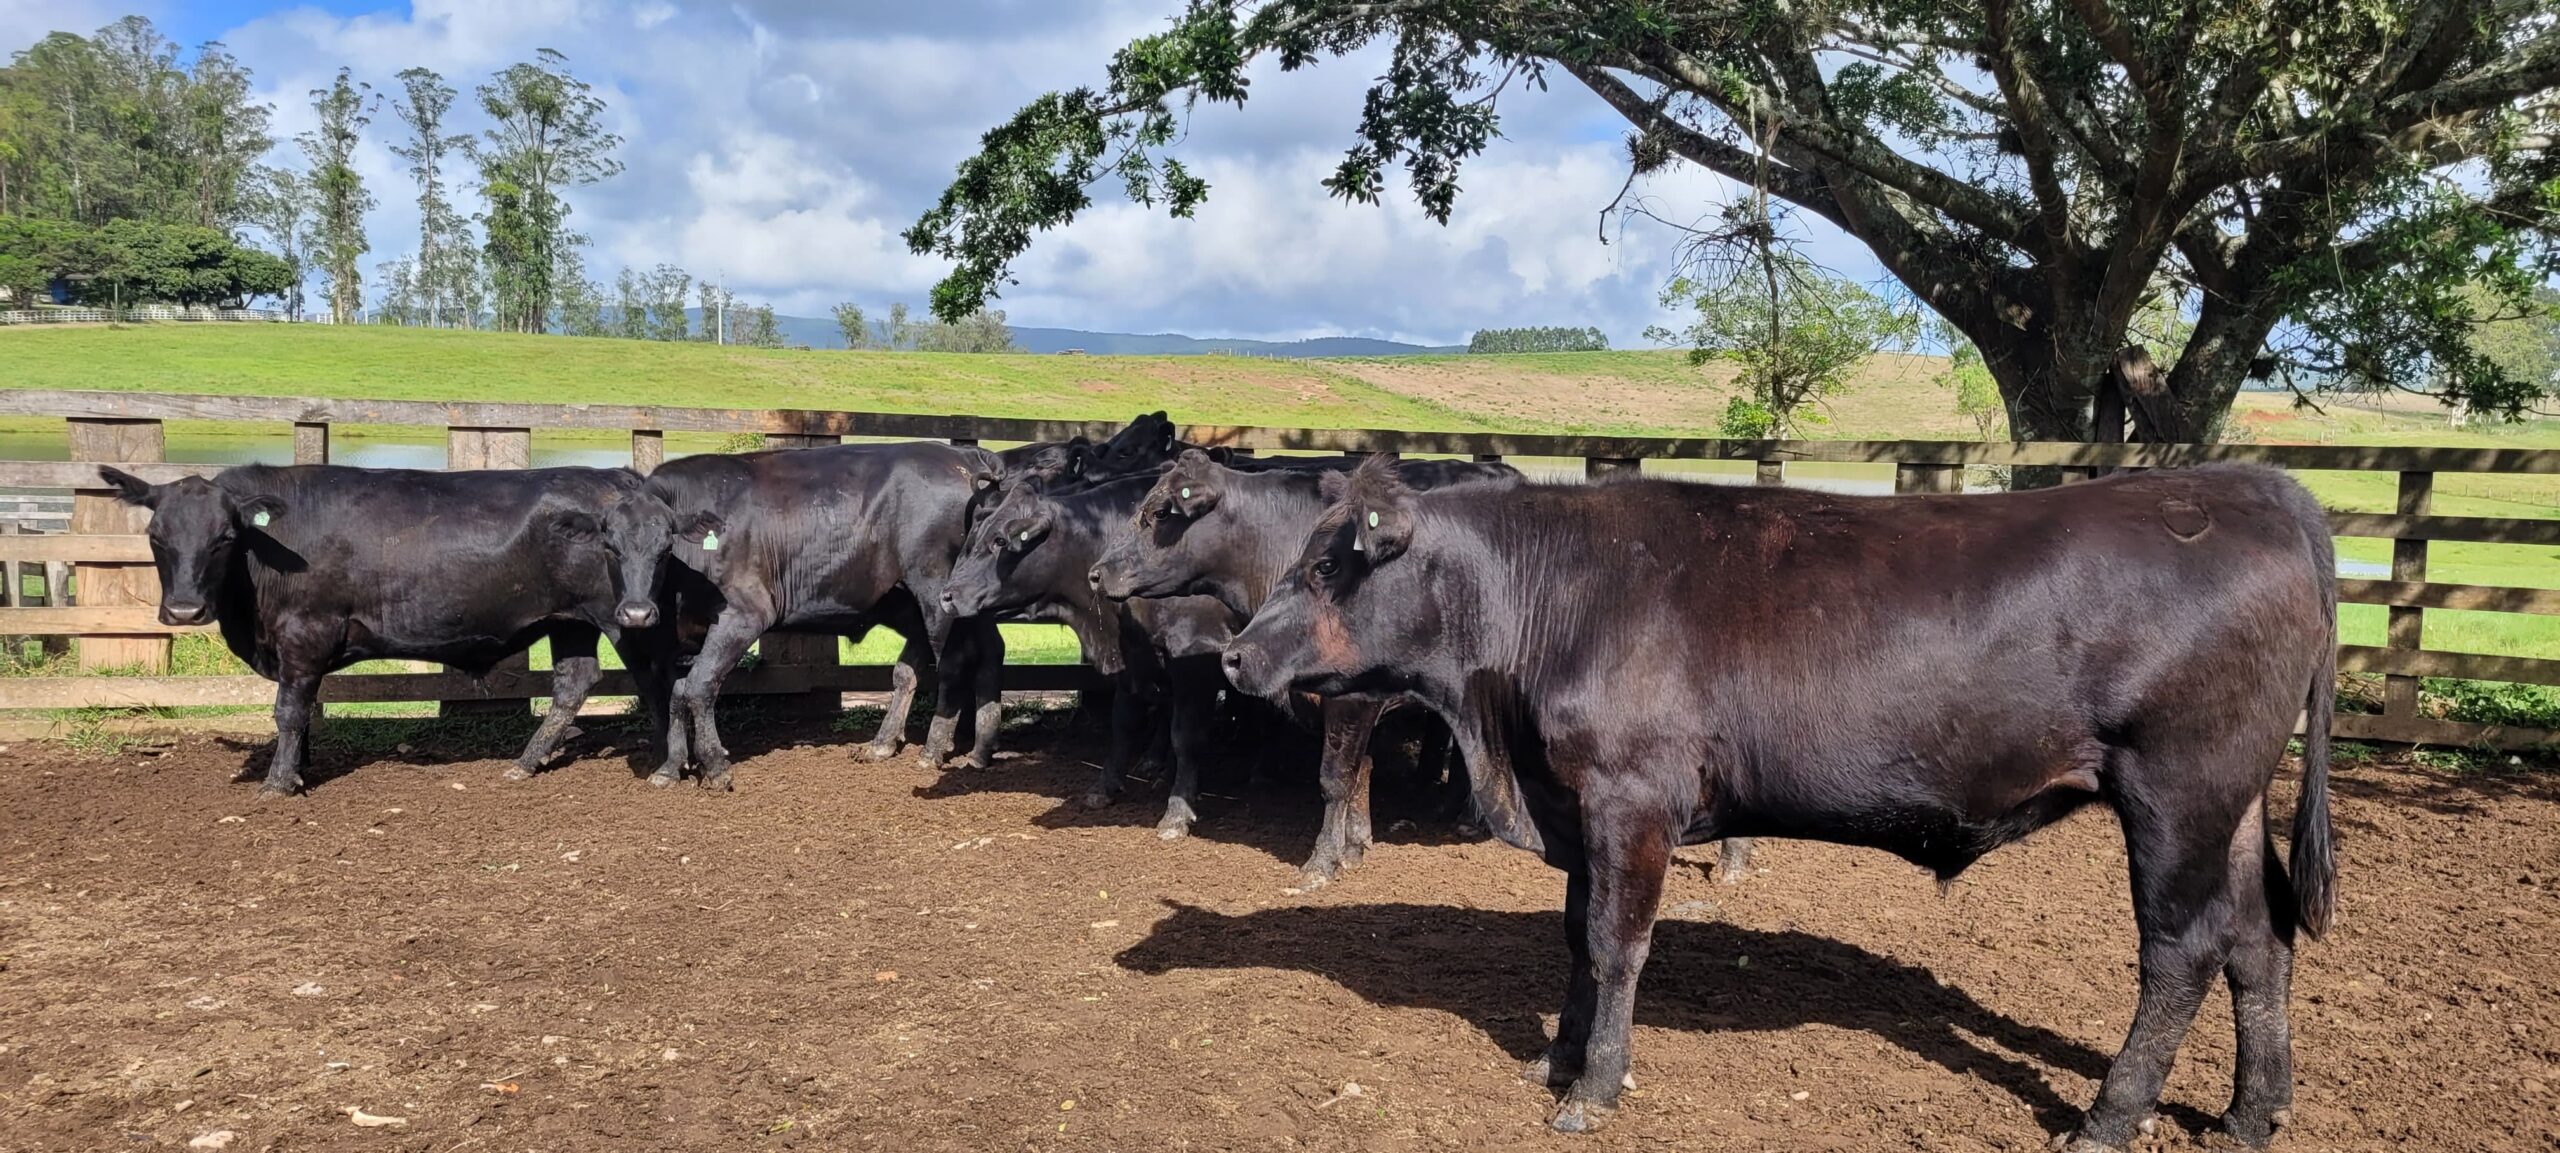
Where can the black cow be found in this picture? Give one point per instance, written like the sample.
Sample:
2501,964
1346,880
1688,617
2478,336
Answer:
311,568
831,540
1209,530
1029,556
1647,663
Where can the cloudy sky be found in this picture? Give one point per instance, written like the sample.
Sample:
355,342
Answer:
784,144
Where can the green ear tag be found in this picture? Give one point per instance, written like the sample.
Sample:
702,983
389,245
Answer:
1373,520
260,518
711,542
1186,494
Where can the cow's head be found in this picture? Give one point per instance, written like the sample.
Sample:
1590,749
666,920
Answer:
635,532
1147,442
1178,535
1013,561
1358,612
197,527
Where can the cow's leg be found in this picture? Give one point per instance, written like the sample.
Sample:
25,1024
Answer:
902,699
1629,847
1733,859
987,688
1128,722
649,666
2260,971
2178,837
1194,705
955,681
1344,776
296,695
697,696
1562,1063
574,671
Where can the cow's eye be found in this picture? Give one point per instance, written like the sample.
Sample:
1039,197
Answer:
1326,566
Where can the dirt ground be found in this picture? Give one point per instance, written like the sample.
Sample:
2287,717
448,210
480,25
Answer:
847,956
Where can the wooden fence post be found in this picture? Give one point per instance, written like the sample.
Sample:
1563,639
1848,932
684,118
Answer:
648,450
1595,467
783,650
95,510
1770,472
478,448
2408,624
310,442
1928,477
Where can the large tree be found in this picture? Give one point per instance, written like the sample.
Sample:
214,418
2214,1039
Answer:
278,202
549,136
446,269
2038,171
339,199
117,126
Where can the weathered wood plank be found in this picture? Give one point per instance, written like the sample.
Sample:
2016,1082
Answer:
2407,625
78,474
126,620
2485,529
310,442
42,402
123,548
173,692
2435,663
648,450
2422,594
2448,734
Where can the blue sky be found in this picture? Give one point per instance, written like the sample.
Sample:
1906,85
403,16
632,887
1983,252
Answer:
784,144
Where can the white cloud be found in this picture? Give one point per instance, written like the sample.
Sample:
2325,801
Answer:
786,144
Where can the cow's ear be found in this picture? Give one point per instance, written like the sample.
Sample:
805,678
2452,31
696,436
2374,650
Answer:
1020,535
1331,484
129,488
703,524
575,527
984,477
1195,492
1382,531
259,511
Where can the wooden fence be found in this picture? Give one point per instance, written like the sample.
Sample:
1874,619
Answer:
116,623
138,313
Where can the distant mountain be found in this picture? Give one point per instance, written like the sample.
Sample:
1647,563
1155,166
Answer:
822,333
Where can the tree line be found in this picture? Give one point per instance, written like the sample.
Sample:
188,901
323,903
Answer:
1491,340
980,331
131,170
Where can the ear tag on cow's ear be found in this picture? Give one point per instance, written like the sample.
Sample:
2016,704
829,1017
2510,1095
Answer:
1026,535
1186,494
260,518
1373,520
1356,546
711,542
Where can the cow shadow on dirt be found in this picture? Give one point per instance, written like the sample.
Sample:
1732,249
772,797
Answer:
345,746
1501,970
1257,798
2481,787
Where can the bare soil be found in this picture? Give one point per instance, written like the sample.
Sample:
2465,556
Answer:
849,956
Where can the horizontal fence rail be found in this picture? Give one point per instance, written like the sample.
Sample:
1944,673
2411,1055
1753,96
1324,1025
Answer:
112,610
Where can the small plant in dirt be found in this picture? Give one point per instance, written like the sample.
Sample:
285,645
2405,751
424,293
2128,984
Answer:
2491,702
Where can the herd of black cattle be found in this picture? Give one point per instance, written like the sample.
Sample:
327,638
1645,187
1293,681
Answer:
1623,667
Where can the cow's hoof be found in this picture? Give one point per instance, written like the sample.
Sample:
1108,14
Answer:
516,773
273,790
2075,1143
1543,1071
719,781
1579,1116
876,751
1173,828
1096,799
1468,830
663,777
2255,1130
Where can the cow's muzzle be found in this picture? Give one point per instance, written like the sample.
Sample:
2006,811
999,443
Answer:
635,614
185,612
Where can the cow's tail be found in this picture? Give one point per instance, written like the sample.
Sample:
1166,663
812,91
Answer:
2315,860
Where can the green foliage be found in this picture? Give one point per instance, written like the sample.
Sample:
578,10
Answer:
1796,333
339,200
977,332
134,262
760,330
1746,418
1977,396
667,286
549,135
278,202
856,330
1492,340
2058,181
445,277
2493,702
116,126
